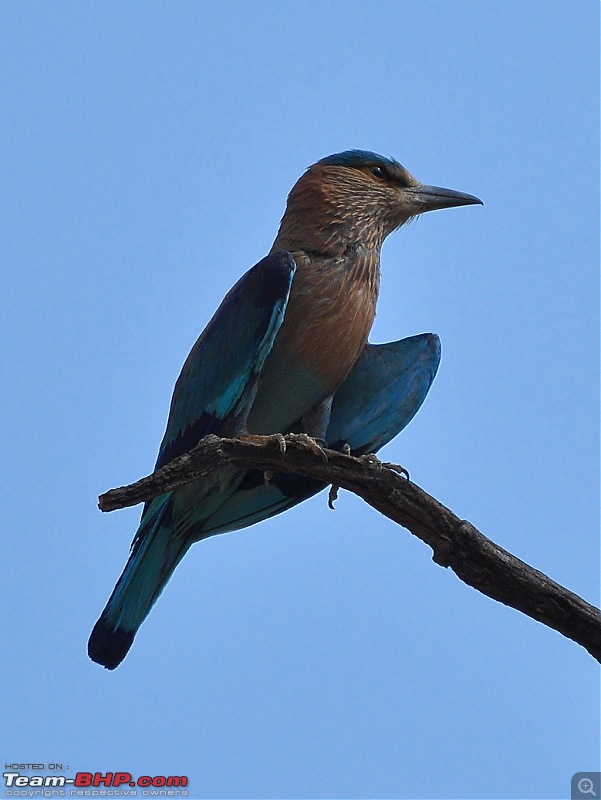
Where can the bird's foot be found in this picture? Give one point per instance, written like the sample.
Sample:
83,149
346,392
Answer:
279,438
372,458
314,445
260,439
276,437
396,468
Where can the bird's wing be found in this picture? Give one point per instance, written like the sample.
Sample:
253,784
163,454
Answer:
380,396
383,392
218,381
216,388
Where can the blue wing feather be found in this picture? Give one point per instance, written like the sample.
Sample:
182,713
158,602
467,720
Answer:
216,387
383,392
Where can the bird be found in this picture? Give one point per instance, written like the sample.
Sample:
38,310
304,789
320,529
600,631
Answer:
286,351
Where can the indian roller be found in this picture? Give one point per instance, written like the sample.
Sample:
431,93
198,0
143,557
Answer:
286,351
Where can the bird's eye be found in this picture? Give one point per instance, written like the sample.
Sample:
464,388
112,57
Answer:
378,171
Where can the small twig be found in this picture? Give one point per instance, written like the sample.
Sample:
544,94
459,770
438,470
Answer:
455,543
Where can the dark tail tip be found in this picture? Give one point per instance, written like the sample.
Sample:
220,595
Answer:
109,646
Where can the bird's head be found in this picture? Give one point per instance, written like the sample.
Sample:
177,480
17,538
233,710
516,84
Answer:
355,199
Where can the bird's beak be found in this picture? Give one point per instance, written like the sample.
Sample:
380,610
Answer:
423,198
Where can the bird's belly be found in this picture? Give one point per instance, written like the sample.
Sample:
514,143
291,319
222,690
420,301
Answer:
285,393
313,353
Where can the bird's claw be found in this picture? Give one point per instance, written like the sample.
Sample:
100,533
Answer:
279,438
333,496
372,458
311,443
396,468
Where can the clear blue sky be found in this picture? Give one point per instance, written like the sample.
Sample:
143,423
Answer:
147,150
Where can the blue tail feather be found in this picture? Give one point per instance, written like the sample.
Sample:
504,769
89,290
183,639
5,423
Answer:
155,554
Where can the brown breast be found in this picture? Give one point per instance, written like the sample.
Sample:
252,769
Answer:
330,314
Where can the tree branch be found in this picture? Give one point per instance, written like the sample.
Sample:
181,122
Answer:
455,543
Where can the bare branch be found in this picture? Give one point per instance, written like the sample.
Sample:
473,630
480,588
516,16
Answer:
455,543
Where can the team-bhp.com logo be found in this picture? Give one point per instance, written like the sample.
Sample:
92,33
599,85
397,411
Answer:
94,784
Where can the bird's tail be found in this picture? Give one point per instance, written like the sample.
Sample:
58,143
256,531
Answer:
155,554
